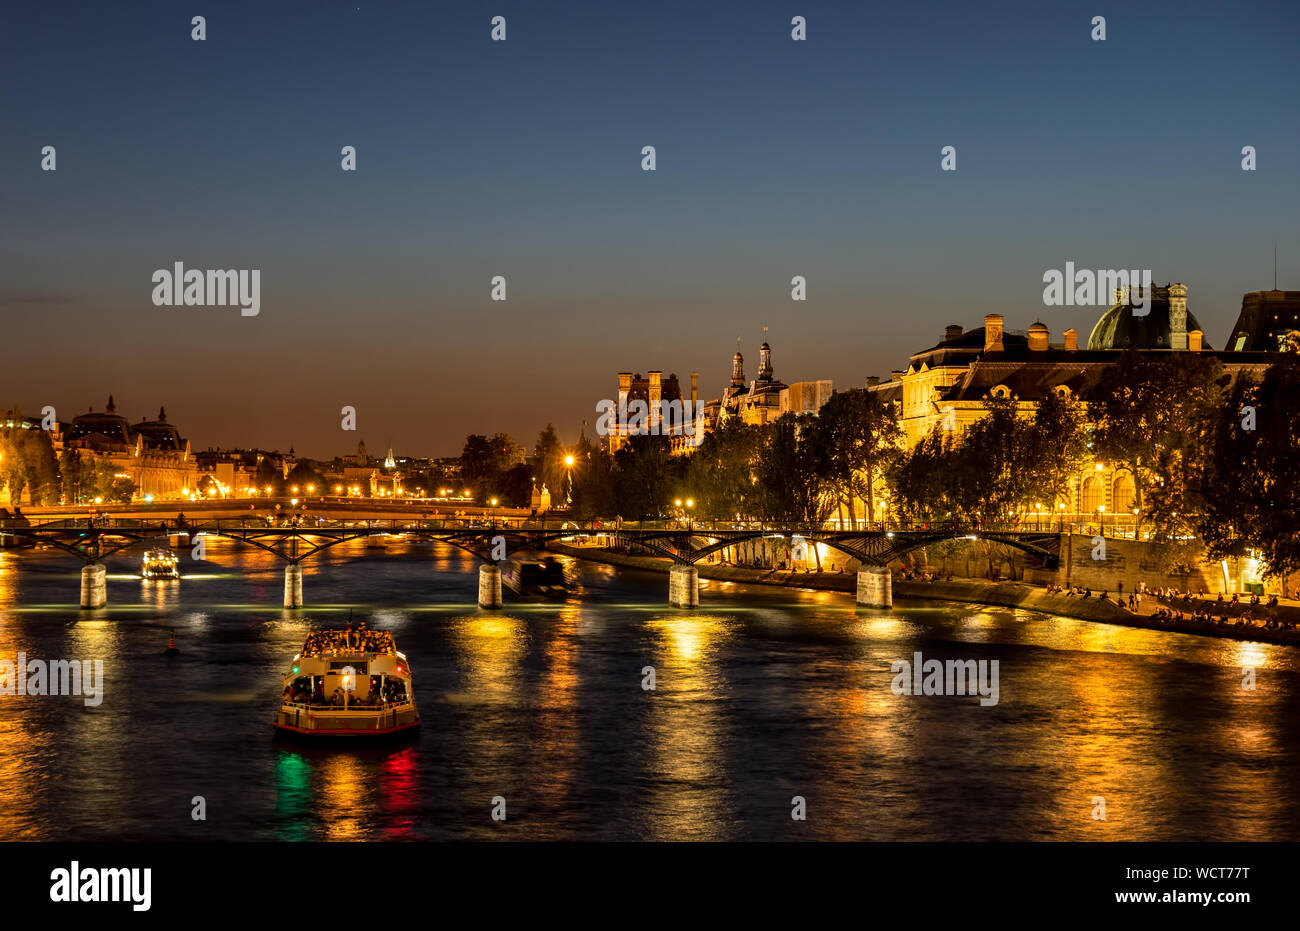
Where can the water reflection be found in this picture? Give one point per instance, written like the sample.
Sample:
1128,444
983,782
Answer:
761,695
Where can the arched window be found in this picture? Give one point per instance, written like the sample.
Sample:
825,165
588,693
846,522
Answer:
1090,496
1124,492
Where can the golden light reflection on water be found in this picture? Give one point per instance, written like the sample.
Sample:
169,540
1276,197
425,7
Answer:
346,796
688,769
557,704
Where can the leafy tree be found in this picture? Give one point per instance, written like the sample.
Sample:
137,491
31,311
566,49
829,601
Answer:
548,463
593,482
270,475
790,487
304,474
484,462
856,437
73,471
1057,448
1248,486
648,477
1150,413
722,473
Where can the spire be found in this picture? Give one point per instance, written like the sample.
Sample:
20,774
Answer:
737,367
765,359
112,408
162,414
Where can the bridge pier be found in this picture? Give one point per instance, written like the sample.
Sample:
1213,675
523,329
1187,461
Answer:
489,586
94,585
293,586
684,587
875,587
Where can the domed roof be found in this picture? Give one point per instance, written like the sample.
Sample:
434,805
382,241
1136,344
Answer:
109,424
1122,328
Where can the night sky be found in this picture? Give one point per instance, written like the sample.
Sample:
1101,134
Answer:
522,158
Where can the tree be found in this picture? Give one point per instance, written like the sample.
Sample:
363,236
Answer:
302,475
1057,448
1150,413
28,462
593,482
73,471
548,462
790,487
484,462
1248,486
647,477
856,437
269,475
722,473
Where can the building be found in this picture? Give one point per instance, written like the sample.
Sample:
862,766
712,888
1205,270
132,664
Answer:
945,385
1269,322
654,405
806,397
757,403
150,453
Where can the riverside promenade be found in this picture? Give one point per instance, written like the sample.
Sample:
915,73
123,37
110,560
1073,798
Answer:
978,591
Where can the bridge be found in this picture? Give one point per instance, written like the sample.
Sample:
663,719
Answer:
295,538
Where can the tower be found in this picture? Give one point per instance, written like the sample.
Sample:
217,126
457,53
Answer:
765,361
737,368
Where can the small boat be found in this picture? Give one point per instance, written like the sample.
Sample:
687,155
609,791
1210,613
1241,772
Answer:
160,564
534,576
348,685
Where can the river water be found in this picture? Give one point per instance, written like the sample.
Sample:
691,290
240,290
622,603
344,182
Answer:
761,695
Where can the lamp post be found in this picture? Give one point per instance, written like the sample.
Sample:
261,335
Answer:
568,480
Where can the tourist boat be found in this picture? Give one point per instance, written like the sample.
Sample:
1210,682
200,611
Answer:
534,576
160,564
348,685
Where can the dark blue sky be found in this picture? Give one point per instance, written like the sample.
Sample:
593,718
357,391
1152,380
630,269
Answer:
522,159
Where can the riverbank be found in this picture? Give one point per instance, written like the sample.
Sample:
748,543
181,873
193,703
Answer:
971,591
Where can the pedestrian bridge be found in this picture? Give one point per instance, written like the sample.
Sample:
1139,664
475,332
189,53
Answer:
296,538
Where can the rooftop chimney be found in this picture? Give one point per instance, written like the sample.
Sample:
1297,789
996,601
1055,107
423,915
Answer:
1195,341
1038,337
656,396
993,333
873,380
1177,316
950,332
1071,340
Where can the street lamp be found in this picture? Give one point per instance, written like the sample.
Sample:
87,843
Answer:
568,480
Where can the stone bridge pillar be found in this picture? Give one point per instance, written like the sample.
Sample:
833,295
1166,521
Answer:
94,586
684,587
875,587
293,586
489,586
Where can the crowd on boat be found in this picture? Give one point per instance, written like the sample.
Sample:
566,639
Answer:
349,639
391,692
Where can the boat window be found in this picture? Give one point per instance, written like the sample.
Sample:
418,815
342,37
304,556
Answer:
359,668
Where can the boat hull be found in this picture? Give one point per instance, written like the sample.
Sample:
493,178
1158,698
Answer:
347,736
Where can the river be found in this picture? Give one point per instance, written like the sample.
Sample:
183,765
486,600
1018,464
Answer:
762,695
